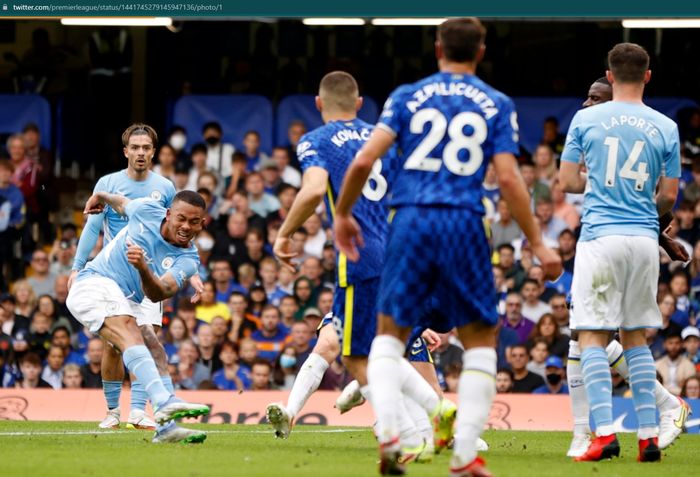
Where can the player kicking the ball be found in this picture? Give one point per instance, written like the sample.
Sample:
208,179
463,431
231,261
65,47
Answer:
152,256
629,150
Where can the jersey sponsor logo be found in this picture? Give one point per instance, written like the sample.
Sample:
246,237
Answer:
167,263
303,150
156,195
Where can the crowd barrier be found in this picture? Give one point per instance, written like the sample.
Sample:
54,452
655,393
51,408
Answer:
509,411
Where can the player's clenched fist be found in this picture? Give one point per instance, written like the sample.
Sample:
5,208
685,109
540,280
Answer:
550,262
136,256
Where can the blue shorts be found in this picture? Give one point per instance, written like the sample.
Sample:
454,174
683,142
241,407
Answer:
417,349
437,253
355,316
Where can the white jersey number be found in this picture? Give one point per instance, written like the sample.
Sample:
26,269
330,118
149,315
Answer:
419,159
376,184
640,176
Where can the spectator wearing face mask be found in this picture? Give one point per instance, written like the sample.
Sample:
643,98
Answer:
178,141
554,378
218,153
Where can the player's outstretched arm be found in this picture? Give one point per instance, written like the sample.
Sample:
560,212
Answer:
347,232
314,186
97,202
571,178
514,191
156,289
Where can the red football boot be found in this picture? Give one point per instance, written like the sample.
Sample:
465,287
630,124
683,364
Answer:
604,447
476,468
649,450
390,459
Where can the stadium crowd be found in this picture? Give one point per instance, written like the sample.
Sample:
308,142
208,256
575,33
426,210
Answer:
255,323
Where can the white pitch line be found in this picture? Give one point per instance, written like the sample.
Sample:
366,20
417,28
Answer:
97,433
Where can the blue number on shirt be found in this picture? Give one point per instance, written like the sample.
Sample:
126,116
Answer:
419,160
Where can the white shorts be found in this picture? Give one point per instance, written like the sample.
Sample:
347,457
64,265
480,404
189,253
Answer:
150,313
615,284
95,298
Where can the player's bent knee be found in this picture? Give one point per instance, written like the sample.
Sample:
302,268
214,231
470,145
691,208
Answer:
122,332
477,335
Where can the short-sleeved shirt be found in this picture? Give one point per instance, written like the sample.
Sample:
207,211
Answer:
447,128
143,229
626,147
222,382
332,147
155,187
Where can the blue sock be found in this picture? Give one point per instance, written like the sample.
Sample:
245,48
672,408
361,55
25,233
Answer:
112,391
168,383
140,362
643,382
598,381
139,396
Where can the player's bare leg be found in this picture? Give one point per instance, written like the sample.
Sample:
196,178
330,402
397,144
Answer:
477,388
112,372
306,383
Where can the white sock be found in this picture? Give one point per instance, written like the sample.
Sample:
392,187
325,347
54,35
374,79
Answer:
477,388
410,437
306,382
384,378
420,418
414,386
616,358
665,401
577,390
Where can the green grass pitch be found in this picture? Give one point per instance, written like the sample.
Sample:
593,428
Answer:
72,449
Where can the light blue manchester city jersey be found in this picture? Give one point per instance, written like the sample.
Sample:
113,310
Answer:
626,147
145,217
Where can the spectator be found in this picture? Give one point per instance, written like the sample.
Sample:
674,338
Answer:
30,367
301,336
189,370
546,328
688,225
560,313
286,195
271,177
551,135
91,371
255,158
533,308
524,381
490,186
504,230
667,307
72,377
257,299
514,319
567,249
236,181
220,329
536,189
10,321
217,152
24,175
165,165
316,236
177,139
39,336
538,356
312,269
254,245
61,257
208,352
9,373
691,342
452,374
285,368
288,309
43,159
260,375
328,262
240,202
303,290
242,323
186,311
199,166
679,288
504,381
295,131
209,307
285,280
53,371
13,210
691,388
271,337
563,210
232,242
248,353
551,225
181,177
290,175
674,368
222,276
513,272
692,190
60,336
260,201
25,297
555,382
41,280
175,334
231,376
269,269
325,301
298,241
545,165
313,317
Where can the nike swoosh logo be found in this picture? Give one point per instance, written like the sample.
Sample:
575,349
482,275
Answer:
416,351
682,418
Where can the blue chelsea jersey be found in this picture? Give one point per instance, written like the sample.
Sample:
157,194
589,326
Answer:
155,187
145,217
447,127
626,147
333,147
